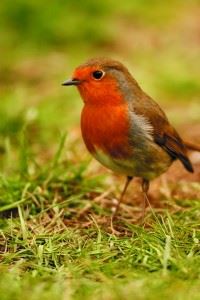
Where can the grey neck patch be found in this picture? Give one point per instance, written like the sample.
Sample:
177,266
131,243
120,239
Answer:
125,83
140,126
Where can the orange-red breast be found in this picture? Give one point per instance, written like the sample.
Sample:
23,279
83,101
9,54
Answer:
123,128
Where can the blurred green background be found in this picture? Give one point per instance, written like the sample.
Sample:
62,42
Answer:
41,42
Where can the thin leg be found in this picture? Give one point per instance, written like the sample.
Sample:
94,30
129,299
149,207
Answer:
128,180
145,188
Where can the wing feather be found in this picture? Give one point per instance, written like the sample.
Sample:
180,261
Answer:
163,132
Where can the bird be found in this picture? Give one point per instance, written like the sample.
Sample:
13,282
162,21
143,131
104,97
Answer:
124,128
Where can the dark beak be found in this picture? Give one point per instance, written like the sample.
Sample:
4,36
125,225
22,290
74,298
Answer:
71,82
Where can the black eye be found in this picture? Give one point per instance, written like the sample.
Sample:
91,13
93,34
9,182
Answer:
98,74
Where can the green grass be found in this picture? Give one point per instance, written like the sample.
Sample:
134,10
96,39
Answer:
55,202
44,257
55,241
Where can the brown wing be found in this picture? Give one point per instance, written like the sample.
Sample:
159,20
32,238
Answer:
164,134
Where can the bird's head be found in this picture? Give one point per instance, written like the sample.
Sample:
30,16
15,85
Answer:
102,80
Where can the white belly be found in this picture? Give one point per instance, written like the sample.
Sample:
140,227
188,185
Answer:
146,164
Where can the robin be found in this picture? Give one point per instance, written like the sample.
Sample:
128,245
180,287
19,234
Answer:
124,128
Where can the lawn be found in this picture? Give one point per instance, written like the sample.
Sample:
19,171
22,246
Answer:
56,201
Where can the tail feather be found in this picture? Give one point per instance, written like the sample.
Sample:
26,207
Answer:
192,146
186,162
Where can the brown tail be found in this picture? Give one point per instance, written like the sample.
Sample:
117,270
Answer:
191,146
